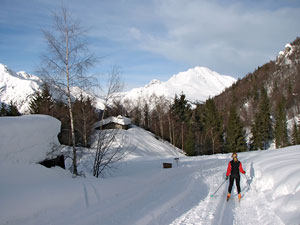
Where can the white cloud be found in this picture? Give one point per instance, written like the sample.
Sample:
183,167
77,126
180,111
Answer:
229,38
135,33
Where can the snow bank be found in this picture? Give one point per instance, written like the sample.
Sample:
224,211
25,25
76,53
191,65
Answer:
28,138
276,174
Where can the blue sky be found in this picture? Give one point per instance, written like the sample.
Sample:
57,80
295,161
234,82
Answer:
154,39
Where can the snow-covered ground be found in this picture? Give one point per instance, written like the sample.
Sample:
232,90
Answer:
142,192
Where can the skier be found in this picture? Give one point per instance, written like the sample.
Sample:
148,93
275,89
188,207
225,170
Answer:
234,169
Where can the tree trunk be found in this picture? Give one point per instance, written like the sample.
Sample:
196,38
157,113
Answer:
70,105
213,140
73,137
170,128
85,131
182,141
173,129
161,127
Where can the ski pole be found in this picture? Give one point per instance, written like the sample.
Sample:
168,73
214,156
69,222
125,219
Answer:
247,180
218,189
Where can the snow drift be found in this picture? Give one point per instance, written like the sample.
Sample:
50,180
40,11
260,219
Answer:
27,139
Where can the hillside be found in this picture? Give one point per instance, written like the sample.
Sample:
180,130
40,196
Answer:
141,192
281,79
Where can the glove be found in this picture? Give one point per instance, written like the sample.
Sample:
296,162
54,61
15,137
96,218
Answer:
226,177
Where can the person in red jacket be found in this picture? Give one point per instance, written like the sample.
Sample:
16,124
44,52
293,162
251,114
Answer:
234,168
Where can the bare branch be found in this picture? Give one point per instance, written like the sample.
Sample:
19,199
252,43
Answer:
66,61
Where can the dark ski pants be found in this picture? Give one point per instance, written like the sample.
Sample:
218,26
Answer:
237,182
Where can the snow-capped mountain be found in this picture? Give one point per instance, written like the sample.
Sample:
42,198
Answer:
198,84
19,88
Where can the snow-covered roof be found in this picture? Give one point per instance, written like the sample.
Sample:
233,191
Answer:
118,120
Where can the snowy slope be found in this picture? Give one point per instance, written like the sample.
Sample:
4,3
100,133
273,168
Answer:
142,192
143,144
198,84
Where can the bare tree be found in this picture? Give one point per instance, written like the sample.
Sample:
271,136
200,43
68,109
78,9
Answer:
114,85
66,61
109,149
84,118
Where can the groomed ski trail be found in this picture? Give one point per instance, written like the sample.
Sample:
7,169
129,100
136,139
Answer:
212,210
252,209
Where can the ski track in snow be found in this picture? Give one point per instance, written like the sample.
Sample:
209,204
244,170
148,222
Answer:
217,211
188,183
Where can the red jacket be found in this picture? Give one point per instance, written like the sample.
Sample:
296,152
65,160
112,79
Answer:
229,168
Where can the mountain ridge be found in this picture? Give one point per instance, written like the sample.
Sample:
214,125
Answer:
198,84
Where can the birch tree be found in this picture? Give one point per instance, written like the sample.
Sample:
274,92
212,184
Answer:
66,61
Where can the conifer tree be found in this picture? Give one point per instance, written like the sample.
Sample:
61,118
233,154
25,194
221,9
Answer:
213,126
235,135
181,107
257,142
84,119
280,132
189,144
146,116
180,110
262,130
3,111
13,110
296,134
42,103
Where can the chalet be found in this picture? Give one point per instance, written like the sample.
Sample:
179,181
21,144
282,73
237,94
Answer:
119,122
